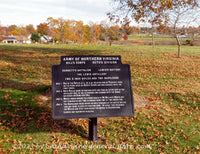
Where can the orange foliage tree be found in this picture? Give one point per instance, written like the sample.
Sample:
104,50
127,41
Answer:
30,29
52,31
95,32
14,32
42,29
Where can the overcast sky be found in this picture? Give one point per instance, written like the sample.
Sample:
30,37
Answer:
24,12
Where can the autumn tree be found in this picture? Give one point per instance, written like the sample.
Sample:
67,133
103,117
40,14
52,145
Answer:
53,31
95,31
156,12
73,30
14,32
65,30
23,31
163,30
127,29
114,33
80,33
30,29
87,34
10,29
61,25
2,32
104,31
110,32
182,12
140,11
42,29
59,29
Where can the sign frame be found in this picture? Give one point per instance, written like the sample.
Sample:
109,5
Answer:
69,63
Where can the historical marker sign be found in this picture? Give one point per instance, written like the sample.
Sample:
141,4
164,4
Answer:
91,86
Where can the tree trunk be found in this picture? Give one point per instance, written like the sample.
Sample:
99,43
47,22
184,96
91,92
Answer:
73,38
179,46
177,39
62,37
110,43
153,41
179,51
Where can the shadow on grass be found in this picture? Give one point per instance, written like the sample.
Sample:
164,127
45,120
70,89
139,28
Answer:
40,57
20,85
22,112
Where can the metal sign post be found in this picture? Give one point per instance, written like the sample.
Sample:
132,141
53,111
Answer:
93,130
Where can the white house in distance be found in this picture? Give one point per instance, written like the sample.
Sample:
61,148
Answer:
10,39
45,39
23,39
17,39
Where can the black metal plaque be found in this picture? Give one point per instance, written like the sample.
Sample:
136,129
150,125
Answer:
91,86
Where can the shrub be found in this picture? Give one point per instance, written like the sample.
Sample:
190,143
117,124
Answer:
125,37
188,42
35,37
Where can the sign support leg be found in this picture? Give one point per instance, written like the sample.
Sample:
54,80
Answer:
93,130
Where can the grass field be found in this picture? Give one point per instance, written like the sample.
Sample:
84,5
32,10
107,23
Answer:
170,123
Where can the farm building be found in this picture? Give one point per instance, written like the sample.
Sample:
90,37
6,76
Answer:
16,39
10,39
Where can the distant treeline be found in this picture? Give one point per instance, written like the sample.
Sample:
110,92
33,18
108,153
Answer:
62,31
